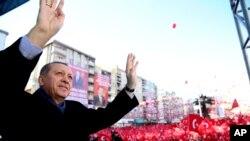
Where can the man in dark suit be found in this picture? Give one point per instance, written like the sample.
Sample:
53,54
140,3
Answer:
78,81
99,98
46,115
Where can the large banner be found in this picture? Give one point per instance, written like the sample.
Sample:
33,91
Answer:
101,89
79,90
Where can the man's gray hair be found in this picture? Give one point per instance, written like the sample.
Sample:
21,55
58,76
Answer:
46,68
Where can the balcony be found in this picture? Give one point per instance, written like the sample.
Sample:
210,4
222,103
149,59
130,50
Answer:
91,79
91,71
57,50
91,63
91,88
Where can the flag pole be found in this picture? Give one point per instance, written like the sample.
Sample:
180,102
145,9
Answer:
200,106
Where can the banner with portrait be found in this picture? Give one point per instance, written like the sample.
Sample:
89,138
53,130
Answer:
79,90
101,89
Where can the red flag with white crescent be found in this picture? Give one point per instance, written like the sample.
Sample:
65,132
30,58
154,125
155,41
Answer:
194,121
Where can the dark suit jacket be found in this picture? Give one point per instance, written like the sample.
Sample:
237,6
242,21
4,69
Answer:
26,117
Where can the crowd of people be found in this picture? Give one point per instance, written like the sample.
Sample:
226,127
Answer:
208,130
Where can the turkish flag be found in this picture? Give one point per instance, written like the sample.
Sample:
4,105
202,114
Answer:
206,128
104,137
235,104
194,121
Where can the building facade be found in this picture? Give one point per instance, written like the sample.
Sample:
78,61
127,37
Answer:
3,35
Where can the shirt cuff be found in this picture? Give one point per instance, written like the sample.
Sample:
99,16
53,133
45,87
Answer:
27,49
131,95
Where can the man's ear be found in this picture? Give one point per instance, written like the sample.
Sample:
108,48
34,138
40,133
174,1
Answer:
41,80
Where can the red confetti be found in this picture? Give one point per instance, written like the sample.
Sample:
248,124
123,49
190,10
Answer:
174,25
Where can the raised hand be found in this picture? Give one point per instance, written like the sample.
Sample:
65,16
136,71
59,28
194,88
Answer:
131,67
50,18
49,21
